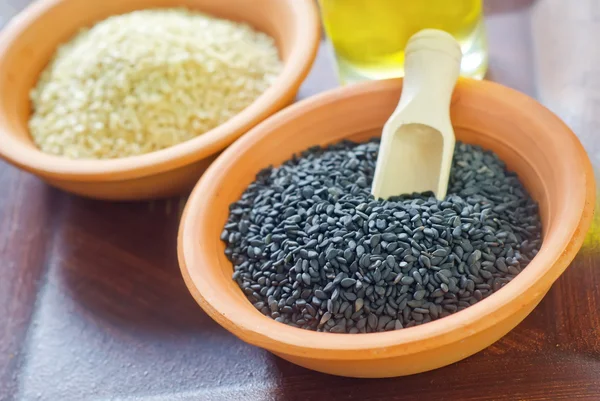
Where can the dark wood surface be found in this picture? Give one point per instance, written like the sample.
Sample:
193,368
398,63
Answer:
93,307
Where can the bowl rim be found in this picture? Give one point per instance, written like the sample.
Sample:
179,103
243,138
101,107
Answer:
262,331
295,69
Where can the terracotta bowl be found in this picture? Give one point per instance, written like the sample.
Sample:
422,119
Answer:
534,142
30,40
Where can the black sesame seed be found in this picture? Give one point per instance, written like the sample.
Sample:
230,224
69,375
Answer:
311,247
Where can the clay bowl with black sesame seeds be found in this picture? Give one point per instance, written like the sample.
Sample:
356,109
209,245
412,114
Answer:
548,158
29,41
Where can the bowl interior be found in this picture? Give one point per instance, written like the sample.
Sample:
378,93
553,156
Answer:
533,142
30,41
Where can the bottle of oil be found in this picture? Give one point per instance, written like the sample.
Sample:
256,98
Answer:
369,36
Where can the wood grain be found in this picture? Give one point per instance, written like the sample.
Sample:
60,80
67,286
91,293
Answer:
92,305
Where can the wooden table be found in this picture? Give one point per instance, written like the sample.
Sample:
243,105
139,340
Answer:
93,307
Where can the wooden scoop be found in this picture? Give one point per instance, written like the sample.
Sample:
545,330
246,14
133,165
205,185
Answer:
417,143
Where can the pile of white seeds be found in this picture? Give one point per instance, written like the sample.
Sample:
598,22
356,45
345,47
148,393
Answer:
147,80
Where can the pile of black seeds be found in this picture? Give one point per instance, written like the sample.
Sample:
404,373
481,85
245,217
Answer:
313,249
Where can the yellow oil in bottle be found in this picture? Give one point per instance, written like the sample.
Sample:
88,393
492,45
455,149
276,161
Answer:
369,36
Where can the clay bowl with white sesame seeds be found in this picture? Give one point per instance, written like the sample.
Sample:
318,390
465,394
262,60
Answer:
29,41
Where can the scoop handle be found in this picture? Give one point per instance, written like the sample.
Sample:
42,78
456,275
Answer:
431,67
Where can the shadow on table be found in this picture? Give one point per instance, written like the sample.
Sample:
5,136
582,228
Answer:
462,381
299,384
